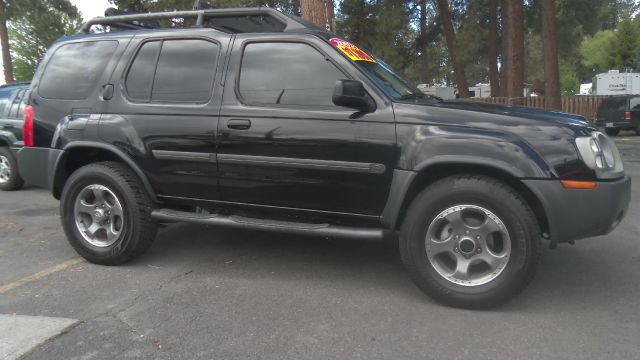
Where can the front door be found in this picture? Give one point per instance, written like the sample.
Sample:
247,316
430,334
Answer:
283,143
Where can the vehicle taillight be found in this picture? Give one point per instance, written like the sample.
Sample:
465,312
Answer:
627,115
27,130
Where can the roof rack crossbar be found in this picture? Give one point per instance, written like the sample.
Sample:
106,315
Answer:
120,20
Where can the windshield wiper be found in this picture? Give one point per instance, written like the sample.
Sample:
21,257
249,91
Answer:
420,96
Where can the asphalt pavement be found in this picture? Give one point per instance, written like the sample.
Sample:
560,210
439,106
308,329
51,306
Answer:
207,293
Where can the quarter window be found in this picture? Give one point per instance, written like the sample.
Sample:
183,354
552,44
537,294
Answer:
173,71
75,68
15,111
287,74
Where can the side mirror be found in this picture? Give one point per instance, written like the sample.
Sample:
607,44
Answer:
351,94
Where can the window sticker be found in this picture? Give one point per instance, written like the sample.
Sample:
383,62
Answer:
353,52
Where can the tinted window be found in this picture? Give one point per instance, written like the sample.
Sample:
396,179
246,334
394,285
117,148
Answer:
634,103
140,78
287,73
23,103
14,110
183,72
4,99
74,69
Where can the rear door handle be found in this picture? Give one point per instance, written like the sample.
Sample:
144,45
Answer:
239,124
8,126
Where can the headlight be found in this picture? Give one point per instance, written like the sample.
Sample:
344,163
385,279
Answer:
600,154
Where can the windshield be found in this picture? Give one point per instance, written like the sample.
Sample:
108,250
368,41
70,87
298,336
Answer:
389,80
392,83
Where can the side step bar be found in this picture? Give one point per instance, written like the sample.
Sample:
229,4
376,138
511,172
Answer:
234,221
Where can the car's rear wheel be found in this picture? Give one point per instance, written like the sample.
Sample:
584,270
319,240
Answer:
612,131
470,241
9,176
106,214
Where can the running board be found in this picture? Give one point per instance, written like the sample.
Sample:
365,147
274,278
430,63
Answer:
234,221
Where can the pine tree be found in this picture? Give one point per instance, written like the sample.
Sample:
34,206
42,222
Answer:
550,44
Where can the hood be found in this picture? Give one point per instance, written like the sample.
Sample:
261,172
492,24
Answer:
551,134
515,119
532,113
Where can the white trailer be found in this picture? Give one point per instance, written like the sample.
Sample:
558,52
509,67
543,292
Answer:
480,91
616,83
444,92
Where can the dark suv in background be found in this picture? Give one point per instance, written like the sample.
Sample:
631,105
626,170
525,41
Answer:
12,102
619,113
252,119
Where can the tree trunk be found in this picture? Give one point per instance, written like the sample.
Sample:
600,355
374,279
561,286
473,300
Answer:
449,33
4,42
515,70
319,12
423,45
504,53
494,76
550,45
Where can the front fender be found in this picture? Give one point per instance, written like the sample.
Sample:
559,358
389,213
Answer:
423,146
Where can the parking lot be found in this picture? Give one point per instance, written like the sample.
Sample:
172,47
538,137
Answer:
226,294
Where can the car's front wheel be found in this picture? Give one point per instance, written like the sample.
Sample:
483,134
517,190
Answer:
9,177
106,214
470,241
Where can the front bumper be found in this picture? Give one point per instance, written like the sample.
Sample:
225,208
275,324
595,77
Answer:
37,165
575,214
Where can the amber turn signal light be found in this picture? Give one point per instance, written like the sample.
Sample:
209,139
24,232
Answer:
571,184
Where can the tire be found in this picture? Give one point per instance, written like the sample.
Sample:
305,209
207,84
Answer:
637,130
9,176
122,219
612,131
510,241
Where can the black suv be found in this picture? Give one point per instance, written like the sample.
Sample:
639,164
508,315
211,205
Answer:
12,103
619,113
253,119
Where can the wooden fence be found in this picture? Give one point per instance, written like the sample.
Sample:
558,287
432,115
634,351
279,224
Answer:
586,106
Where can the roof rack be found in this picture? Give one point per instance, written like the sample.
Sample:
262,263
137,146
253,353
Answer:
127,21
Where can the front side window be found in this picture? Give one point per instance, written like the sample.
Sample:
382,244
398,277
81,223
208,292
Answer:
173,71
287,74
75,68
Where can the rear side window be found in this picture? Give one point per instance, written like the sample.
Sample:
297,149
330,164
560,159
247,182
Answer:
15,110
74,69
634,103
173,71
287,74
4,99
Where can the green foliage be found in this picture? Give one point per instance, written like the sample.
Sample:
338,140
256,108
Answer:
34,25
569,81
596,52
625,45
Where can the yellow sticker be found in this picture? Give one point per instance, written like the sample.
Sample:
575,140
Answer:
352,51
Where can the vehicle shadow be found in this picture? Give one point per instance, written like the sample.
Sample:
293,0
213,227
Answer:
567,276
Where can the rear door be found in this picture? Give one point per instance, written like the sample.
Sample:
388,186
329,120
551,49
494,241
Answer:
165,107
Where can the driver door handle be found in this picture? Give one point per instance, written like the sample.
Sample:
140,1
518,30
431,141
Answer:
239,124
